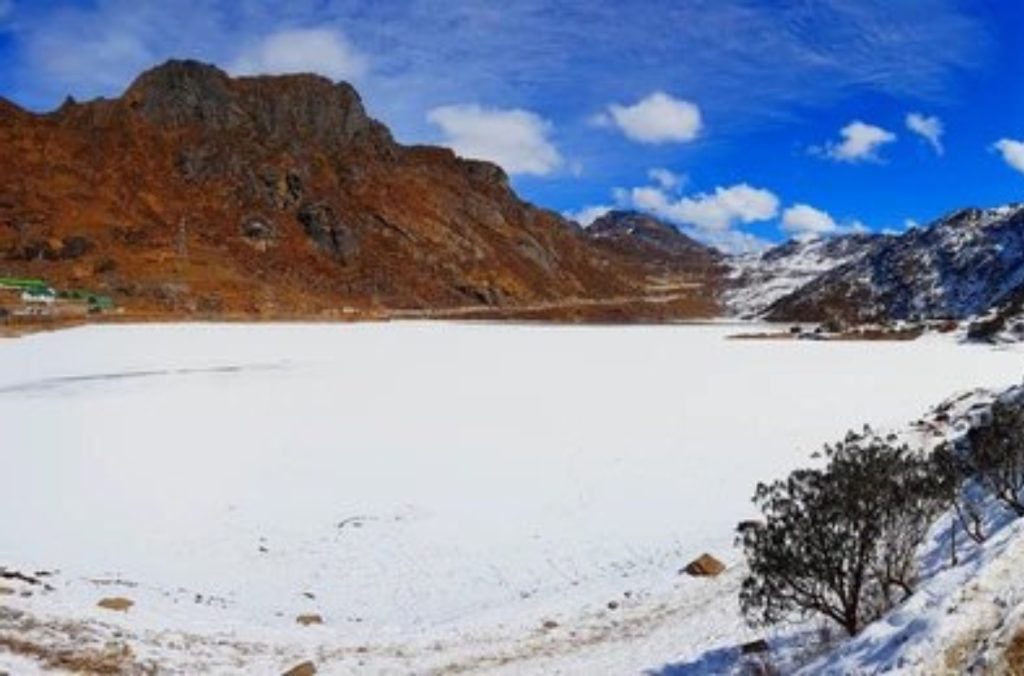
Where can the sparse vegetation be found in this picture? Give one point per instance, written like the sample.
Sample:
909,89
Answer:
842,541
992,453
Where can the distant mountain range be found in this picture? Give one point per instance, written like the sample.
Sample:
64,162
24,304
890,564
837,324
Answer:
961,266
198,194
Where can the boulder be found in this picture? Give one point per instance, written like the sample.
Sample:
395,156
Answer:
306,668
307,620
704,565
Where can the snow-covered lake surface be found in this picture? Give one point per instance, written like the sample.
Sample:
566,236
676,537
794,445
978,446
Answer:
440,489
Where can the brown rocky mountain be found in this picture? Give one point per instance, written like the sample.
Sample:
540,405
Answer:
645,238
197,193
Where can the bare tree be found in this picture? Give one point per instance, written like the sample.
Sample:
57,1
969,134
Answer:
950,470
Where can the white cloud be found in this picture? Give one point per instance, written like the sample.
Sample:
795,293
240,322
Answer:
587,215
733,241
304,50
1012,152
710,212
667,179
910,224
659,118
930,128
515,139
803,220
860,143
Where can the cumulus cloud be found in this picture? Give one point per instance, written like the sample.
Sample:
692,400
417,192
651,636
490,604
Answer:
302,50
657,119
930,128
667,179
860,142
711,212
517,140
734,241
588,214
717,217
803,220
1012,152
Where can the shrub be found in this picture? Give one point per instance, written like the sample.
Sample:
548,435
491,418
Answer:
840,541
986,329
995,454
950,469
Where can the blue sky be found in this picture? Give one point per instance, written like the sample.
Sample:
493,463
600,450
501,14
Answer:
725,116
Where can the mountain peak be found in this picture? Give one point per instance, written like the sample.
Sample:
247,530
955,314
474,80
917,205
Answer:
634,222
648,238
181,93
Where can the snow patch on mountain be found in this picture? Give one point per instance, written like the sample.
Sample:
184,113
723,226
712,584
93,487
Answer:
756,281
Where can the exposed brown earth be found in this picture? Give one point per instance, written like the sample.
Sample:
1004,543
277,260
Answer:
198,195
66,646
116,603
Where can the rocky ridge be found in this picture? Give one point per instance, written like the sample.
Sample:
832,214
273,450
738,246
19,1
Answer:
195,193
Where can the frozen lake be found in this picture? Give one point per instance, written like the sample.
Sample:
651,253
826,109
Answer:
417,480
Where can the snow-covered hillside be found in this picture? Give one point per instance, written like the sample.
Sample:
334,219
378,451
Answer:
755,281
440,496
966,616
959,266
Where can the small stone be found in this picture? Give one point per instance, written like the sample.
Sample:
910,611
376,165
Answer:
550,624
117,603
704,565
307,668
307,620
612,605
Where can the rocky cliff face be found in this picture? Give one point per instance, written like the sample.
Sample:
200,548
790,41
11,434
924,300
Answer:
198,192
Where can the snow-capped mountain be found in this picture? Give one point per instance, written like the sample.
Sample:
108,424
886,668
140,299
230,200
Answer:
958,267
755,281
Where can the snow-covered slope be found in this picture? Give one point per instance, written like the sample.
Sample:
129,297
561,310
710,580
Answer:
447,498
965,617
957,267
755,281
